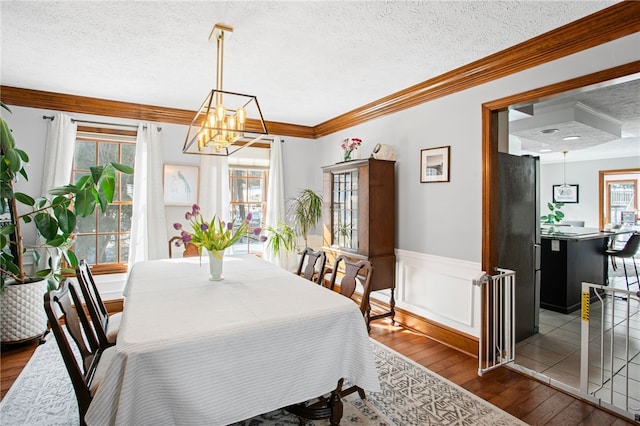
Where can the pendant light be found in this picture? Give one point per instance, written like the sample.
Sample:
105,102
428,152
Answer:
227,121
564,166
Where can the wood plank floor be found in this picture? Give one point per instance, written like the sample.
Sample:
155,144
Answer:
525,398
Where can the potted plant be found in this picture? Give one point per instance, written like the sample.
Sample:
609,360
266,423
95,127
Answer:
306,212
55,220
214,236
280,237
554,215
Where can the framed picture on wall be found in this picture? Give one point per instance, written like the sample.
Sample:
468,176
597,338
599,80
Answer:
434,164
180,183
565,193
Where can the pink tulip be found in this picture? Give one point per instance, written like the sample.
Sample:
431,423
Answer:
257,231
188,215
249,216
177,226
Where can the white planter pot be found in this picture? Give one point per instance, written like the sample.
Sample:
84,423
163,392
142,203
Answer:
22,315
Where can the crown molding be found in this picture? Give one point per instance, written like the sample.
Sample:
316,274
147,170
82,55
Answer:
109,108
614,22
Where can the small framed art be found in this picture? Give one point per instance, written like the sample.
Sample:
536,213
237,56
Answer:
565,193
180,184
434,164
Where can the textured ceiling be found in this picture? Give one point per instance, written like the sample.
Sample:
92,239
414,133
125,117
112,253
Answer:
307,62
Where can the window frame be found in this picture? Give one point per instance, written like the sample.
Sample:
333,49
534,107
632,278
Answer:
264,203
121,137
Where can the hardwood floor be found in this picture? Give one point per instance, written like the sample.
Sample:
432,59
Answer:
523,397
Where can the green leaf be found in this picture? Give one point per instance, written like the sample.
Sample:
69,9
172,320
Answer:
23,155
107,187
64,190
57,241
96,173
6,137
123,168
24,198
71,258
43,272
40,203
13,160
66,221
47,225
84,181
85,202
6,230
12,267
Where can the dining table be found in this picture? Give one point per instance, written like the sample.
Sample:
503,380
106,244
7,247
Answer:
191,351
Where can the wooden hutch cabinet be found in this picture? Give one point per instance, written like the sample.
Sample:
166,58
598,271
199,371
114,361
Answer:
359,218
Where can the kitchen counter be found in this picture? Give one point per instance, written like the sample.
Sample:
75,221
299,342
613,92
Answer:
570,256
574,233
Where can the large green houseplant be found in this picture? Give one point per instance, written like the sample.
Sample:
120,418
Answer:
305,211
54,216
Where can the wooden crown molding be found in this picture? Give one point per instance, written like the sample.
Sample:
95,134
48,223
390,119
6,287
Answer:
617,21
614,22
109,108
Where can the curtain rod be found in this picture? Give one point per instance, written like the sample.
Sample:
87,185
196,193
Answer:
51,117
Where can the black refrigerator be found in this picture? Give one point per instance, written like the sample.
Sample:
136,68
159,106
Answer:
519,236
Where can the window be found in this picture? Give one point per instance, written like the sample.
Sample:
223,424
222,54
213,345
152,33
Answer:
103,239
248,189
619,196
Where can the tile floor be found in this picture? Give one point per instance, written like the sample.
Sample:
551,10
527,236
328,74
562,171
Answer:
555,350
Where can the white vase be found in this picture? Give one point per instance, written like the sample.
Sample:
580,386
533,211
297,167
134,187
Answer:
215,266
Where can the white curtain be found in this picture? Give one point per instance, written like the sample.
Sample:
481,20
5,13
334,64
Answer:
275,196
58,152
58,160
214,195
148,225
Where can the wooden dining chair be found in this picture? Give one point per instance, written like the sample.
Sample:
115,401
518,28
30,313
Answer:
88,370
106,326
190,249
330,406
352,272
313,263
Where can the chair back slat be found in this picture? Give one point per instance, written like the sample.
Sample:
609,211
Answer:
66,301
353,272
313,263
97,310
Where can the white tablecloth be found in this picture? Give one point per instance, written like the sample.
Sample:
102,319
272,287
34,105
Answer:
200,352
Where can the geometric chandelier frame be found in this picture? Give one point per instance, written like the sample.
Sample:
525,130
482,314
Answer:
226,121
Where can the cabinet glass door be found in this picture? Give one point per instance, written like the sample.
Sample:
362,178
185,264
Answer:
344,207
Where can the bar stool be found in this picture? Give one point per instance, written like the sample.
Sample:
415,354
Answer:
629,250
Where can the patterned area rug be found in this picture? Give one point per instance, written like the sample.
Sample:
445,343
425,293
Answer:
411,395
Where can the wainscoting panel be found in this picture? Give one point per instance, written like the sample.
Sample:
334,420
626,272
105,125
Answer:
439,289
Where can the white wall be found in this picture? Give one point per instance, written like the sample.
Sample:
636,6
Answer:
586,175
434,221
443,220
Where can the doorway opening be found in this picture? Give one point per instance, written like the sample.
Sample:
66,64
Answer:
549,351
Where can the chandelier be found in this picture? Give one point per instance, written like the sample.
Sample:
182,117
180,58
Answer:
227,121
